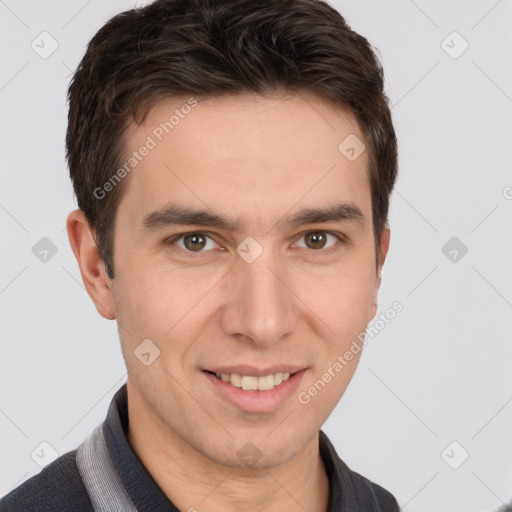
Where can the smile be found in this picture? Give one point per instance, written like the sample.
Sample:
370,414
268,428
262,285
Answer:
252,383
255,390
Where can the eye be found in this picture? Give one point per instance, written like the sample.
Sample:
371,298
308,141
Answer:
194,242
319,240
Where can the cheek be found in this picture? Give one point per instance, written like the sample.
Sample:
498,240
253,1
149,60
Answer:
344,302
159,304
345,305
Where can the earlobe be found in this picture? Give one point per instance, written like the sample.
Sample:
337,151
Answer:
92,267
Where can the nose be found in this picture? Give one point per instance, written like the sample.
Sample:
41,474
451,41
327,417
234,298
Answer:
261,306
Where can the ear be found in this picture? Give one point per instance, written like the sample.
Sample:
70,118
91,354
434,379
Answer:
381,257
92,267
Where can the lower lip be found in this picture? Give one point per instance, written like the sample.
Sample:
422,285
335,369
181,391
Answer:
257,401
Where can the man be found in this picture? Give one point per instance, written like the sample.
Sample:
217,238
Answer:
233,163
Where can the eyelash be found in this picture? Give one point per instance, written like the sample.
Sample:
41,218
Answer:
339,236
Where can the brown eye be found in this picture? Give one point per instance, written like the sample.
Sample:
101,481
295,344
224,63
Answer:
315,240
194,242
318,240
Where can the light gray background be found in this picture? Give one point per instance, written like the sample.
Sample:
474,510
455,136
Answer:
438,373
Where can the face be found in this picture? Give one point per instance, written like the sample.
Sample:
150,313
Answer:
244,251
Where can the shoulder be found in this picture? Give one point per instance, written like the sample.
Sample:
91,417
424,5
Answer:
382,498
375,497
57,487
350,490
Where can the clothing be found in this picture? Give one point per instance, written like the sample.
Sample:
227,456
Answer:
60,485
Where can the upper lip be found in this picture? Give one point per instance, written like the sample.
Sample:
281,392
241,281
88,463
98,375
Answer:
245,369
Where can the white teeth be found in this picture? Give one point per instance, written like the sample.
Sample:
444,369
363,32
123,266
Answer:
236,380
265,383
251,383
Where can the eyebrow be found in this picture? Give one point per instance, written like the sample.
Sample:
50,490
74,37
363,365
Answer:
178,215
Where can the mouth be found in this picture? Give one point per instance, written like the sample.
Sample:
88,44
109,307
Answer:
252,382
255,390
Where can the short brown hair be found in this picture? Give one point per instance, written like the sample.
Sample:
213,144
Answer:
211,48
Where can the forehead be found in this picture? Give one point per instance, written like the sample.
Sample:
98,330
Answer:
248,154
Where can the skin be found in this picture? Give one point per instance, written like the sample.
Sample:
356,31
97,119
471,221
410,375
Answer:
253,160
